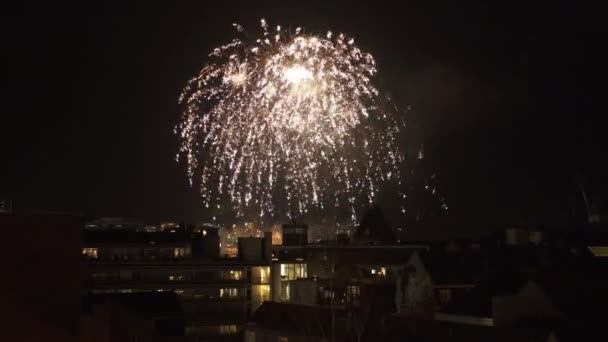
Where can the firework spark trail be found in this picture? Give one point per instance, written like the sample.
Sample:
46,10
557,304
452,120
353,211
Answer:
288,123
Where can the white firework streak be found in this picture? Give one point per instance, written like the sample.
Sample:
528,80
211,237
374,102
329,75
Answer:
288,123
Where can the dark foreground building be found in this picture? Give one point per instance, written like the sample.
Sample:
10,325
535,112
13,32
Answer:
217,294
41,291
540,284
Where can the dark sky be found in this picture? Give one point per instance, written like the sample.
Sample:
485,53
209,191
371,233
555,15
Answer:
504,101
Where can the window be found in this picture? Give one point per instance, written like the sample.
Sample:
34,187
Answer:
383,271
205,293
232,275
176,277
178,252
282,339
293,271
90,252
228,329
229,292
259,294
328,294
179,291
599,251
260,275
445,296
284,291
352,295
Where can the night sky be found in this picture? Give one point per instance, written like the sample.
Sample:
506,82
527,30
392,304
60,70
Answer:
503,97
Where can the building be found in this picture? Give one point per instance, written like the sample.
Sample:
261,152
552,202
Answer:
352,285
141,316
6,205
282,322
114,223
41,293
217,294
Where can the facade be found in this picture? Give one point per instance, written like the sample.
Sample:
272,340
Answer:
217,294
41,294
339,272
141,316
353,285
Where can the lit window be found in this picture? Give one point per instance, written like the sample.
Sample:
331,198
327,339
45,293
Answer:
259,294
179,291
282,339
178,252
204,232
353,294
445,296
293,271
90,252
599,251
232,275
373,271
263,275
229,292
176,277
228,329
383,271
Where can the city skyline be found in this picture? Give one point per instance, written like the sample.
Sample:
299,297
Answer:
94,133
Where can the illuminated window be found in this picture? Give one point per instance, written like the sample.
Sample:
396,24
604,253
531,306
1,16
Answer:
229,292
599,251
293,271
232,275
228,329
176,277
352,295
284,294
445,296
90,252
260,275
178,252
373,271
179,291
329,294
282,339
383,271
259,295
264,275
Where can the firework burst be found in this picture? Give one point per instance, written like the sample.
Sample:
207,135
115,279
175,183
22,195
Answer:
287,124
